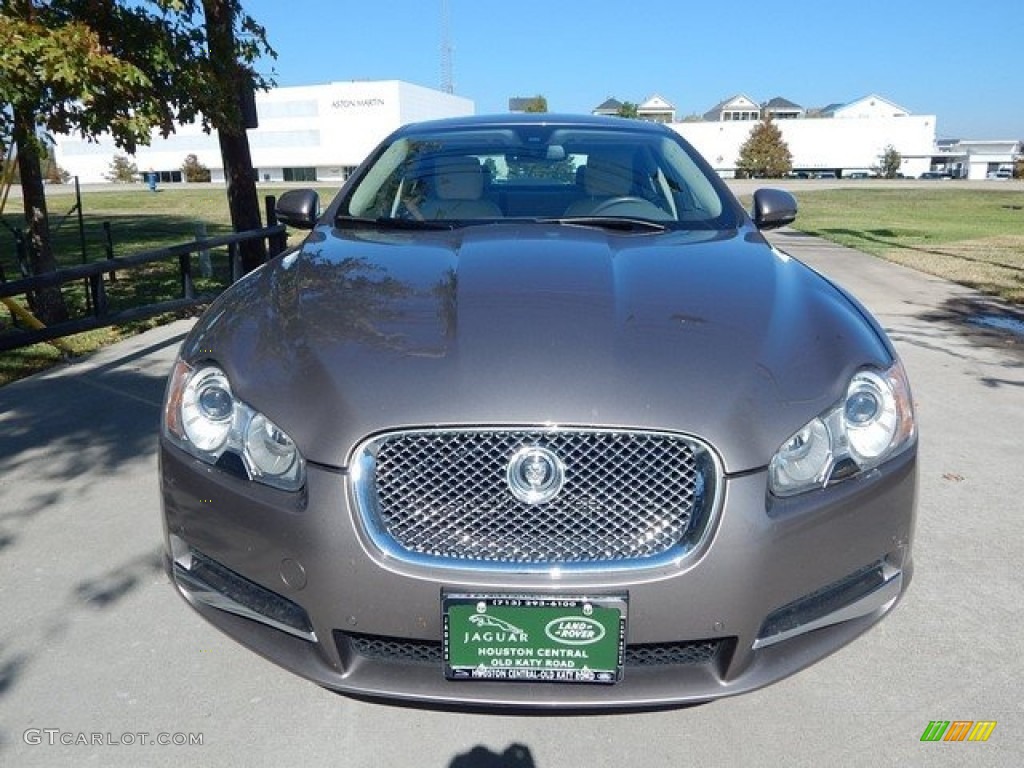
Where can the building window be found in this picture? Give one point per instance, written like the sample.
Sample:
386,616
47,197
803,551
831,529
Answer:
169,177
300,174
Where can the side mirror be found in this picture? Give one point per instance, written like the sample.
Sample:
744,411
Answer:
299,208
773,208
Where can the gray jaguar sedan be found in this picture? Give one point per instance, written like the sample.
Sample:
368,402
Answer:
536,417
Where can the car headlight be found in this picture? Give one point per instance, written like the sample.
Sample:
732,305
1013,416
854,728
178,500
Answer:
873,423
203,416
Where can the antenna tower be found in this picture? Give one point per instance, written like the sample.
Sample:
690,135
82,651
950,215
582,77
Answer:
447,86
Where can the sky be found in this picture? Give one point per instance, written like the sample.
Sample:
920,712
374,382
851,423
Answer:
962,62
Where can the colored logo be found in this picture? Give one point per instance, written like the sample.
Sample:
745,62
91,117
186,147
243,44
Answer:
958,730
575,630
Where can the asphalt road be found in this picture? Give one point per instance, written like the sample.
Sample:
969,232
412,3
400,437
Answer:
100,660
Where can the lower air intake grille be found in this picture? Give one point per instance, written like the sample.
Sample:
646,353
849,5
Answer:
397,650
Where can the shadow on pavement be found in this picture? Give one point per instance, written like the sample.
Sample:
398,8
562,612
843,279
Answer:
77,523
516,756
76,426
978,322
107,589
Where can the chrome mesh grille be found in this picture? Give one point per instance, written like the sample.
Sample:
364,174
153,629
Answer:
627,496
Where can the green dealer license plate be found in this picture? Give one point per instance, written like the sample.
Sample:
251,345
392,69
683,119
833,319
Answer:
534,638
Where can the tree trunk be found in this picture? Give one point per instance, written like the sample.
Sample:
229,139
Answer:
47,303
243,200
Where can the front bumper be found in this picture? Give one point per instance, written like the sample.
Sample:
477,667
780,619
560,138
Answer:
777,586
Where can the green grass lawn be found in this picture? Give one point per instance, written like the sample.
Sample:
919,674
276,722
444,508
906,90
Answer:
968,235
120,222
138,220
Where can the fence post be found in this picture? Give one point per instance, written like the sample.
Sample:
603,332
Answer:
108,238
235,257
188,288
270,208
108,246
98,291
205,267
81,240
81,221
275,243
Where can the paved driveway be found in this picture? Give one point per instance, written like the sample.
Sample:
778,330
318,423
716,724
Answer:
96,647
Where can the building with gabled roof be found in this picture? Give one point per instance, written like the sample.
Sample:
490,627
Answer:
738,107
827,111
654,109
609,106
871,105
779,108
657,110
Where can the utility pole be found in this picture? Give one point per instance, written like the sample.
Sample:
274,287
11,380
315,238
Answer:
447,84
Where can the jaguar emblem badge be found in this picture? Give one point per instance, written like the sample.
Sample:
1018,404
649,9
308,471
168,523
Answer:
535,475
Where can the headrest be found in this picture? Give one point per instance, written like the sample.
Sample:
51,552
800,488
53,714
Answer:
609,174
458,178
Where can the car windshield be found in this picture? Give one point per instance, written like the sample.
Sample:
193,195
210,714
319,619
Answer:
579,174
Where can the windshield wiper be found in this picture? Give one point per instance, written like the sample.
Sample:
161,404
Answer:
385,222
617,223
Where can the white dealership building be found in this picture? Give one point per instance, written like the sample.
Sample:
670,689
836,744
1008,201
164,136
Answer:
839,139
305,133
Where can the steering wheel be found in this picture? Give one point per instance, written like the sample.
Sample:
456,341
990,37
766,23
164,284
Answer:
608,206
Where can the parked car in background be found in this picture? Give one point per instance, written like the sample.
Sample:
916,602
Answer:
537,417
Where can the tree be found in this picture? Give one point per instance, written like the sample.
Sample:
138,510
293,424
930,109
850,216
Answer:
194,171
231,54
537,104
55,73
122,170
628,109
764,154
117,67
890,163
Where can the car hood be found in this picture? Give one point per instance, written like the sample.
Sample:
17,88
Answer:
716,335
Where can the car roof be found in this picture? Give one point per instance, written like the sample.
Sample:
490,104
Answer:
537,119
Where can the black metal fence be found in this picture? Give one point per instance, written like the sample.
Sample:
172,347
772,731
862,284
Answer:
97,275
